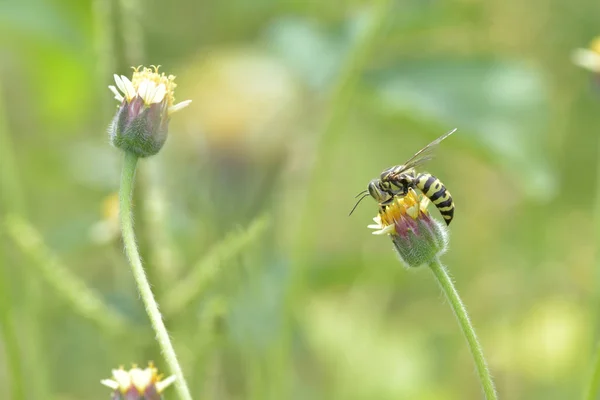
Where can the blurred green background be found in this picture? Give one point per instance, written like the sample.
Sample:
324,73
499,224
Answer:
269,290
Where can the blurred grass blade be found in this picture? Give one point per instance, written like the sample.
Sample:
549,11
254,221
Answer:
206,340
12,201
8,337
72,289
354,64
164,257
11,193
133,34
206,270
591,391
103,42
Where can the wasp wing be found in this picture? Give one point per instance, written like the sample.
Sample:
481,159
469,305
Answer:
426,153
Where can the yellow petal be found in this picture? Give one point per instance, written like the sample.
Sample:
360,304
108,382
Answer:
413,211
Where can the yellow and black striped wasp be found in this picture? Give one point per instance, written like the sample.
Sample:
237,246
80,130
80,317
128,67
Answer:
397,180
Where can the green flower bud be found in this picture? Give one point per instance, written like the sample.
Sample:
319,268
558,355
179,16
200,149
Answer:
141,123
137,384
418,238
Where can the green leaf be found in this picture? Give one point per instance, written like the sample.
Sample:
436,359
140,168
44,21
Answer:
500,106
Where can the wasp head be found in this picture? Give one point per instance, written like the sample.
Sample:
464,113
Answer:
380,193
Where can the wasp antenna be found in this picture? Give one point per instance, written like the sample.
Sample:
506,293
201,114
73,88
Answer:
357,203
363,192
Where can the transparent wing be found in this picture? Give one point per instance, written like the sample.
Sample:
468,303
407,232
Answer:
426,153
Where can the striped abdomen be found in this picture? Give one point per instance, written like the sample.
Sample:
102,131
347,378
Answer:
435,190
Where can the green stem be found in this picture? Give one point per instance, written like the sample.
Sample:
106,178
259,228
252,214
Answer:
125,195
10,340
460,311
591,391
594,385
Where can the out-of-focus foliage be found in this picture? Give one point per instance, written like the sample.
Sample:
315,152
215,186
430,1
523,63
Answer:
311,306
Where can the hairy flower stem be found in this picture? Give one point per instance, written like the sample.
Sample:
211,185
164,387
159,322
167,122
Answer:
125,195
460,311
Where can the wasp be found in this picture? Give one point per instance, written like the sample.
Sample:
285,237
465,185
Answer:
397,180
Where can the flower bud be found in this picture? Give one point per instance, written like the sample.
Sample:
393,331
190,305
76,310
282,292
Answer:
417,237
137,384
141,123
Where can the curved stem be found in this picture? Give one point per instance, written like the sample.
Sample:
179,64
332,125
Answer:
460,311
127,179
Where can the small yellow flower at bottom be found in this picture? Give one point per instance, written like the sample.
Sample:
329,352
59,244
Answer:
417,237
137,384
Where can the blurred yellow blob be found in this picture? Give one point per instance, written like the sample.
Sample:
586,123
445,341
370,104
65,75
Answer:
595,45
588,58
242,98
107,229
551,343
370,358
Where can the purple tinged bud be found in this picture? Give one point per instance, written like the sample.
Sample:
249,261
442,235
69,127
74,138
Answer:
418,239
141,123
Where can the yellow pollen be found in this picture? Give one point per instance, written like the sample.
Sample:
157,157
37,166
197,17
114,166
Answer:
152,75
412,205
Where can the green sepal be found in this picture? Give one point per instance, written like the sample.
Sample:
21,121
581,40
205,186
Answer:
138,129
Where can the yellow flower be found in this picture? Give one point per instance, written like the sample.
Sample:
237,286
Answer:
141,123
589,58
417,237
411,205
137,383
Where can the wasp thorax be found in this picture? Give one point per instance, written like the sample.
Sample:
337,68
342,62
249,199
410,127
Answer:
386,173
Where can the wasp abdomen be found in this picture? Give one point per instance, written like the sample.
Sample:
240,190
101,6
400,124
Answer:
435,190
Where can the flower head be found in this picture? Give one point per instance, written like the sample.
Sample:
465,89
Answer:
147,102
137,384
417,237
589,58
